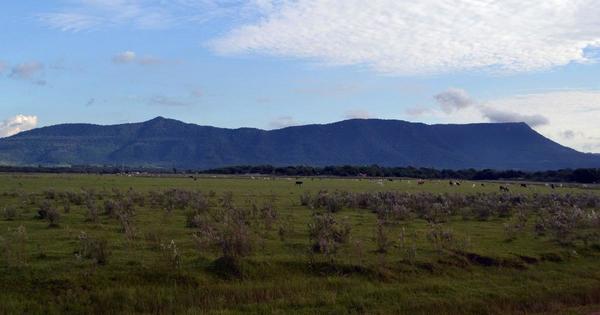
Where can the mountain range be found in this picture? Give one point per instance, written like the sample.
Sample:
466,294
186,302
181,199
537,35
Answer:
163,142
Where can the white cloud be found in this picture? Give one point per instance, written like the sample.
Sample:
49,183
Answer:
453,99
70,22
3,67
498,116
85,15
282,122
125,57
358,114
19,123
129,57
569,117
426,36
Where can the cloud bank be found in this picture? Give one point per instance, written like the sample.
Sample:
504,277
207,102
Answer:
16,124
428,36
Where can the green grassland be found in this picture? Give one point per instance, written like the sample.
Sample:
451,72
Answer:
155,265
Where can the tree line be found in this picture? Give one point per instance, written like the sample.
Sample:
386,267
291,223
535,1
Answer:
584,175
564,175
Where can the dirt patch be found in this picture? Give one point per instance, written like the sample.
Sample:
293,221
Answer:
528,259
552,257
487,261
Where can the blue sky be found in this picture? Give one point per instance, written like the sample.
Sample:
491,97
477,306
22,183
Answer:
274,63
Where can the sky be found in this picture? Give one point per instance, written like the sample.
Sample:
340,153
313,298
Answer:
276,63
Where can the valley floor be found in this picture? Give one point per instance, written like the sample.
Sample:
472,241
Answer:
88,244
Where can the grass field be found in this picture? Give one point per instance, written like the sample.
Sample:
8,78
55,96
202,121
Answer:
87,244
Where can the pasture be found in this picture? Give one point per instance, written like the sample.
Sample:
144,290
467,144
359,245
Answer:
90,244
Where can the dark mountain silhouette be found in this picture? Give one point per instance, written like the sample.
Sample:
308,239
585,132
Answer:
164,142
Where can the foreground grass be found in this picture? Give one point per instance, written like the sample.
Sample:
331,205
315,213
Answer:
40,273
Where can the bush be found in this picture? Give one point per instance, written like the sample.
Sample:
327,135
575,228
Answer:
326,234
193,219
44,209
230,234
170,255
92,215
381,238
53,217
94,249
440,237
9,213
305,199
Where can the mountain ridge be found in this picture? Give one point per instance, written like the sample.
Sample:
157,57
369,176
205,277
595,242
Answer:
164,142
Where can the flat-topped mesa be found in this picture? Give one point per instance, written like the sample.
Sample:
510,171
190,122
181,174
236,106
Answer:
163,142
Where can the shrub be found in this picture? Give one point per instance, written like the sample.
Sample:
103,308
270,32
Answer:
437,213
170,255
44,209
9,213
230,234
227,200
326,234
127,226
110,207
53,217
515,226
67,207
381,238
285,229
193,219
305,199
440,237
268,215
94,249
92,214
200,203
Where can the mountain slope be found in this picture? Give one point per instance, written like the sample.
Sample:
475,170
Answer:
169,143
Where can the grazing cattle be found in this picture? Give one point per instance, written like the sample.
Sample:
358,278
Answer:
504,188
299,183
552,186
482,185
524,185
421,182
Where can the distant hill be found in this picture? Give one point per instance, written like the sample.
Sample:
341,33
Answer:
169,143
